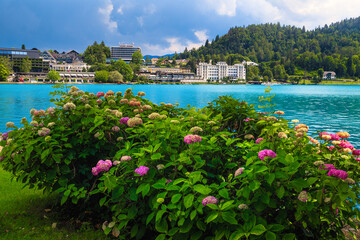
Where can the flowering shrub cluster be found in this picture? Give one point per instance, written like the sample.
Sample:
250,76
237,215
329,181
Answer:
221,172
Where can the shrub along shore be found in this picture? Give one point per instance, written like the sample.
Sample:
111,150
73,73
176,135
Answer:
224,171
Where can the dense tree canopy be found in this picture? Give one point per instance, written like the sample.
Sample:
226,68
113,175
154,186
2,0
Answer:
26,65
53,76
333,48
96,53
4,72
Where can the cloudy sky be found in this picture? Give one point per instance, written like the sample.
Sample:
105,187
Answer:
157,26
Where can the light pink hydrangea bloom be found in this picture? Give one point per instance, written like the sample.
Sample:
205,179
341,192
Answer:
209,199
266,153
189,139
142,170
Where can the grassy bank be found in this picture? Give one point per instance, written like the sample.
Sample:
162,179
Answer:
27,214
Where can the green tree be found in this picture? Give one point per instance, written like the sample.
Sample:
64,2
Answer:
320,72
124,69
26,65
53,76
115,76
23,46
4,72
137,58
96,53
268,73
7,63
101,76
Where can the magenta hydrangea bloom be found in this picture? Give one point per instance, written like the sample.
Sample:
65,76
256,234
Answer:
356,152
142,170
125,158
168,181
189,139
346,144
100,94
266,153
259,140
124,120
98,101
327,167
104,165
335,137
6,135
337,173
95,171
209,199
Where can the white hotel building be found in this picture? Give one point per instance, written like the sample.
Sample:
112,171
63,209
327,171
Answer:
220,71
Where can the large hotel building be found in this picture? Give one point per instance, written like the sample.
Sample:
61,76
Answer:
220,71
124,52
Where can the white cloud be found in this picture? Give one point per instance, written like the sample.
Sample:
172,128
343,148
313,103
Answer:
140,21
223,7
150,9
176,44
310,13
106,16
201,35
120,10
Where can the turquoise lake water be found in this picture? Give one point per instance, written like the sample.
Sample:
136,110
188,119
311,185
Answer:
324,108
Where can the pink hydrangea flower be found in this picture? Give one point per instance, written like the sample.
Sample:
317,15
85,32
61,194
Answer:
100,94
98,101
335,137
266,153
142,170
115,129
303,196
356,152
116,163
239,171
124,120
168,181
259,140
125,158
346,144
327,167
209,199
248,119
104,165
95,171
189,139
337,173
357,159
331,147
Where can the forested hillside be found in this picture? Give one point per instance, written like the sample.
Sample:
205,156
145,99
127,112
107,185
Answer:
292,50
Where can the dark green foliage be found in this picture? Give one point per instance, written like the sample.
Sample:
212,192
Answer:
333,48
96,53
262,202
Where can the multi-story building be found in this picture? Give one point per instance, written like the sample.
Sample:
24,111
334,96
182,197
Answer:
168,70
124,52
69,67
18,55
48,56
221,71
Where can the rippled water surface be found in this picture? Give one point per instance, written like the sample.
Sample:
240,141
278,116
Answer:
325,108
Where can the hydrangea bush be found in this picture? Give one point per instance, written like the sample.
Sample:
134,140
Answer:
164,172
